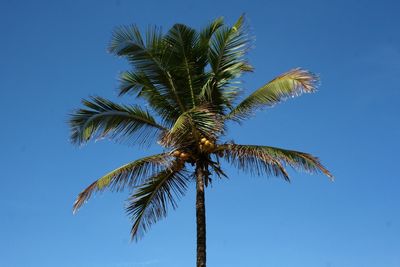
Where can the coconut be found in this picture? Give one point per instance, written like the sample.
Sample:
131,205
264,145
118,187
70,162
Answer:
203,140
184,156
176,153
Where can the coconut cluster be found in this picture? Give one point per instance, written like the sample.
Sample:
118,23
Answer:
206,145
181,154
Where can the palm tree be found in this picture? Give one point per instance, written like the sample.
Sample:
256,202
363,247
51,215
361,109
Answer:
190,80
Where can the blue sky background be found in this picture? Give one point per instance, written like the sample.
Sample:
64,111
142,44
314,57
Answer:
53,53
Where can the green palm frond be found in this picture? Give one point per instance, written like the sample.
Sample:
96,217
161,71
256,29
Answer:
228,47
207,33
104,118
290,84
131,174
282,157
197,121
149,203
138,83
203,45
152,58
127,41
182,41
123,35
226,57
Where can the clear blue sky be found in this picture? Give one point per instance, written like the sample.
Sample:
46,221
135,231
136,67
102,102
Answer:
53,53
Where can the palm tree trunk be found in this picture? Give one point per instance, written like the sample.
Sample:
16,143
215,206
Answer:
201,173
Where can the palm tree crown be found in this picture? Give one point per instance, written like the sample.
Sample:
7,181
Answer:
191,81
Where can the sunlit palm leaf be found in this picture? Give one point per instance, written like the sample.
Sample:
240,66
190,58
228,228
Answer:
131,174
290,84
149,203
105,118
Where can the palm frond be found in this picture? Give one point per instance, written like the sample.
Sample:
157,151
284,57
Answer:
149,203
297,160
292,83
281,157
104,118
130,174
151,57
216,168
200,120
226,57
207,32
182,41
139,83
123,35
205,37
253,160
228,47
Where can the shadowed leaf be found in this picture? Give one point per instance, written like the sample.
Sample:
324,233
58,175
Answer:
104,118
150,201
131,174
